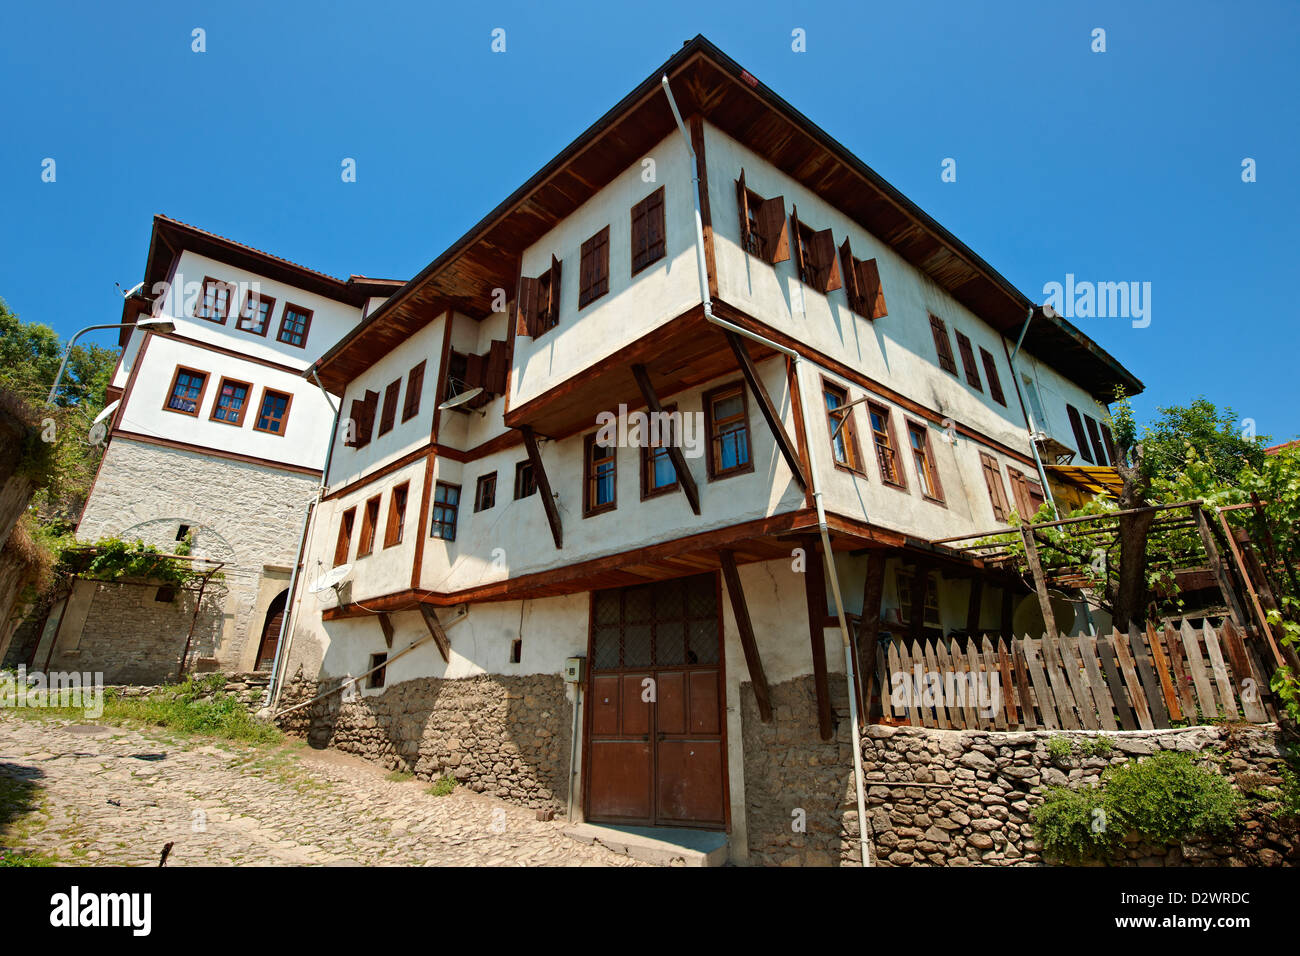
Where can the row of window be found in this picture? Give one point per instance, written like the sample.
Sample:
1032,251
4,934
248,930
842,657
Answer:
847,453
255,314
231,403
539,297
393,529
363,410
1093,439
943,349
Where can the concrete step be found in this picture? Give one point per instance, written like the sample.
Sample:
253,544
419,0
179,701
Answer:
661,846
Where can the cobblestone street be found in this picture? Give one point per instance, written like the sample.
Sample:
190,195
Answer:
105,796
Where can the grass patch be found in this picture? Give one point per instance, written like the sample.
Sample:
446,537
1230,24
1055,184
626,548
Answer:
443,786
400,776
19,801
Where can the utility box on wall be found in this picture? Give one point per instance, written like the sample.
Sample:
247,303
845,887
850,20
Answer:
573,670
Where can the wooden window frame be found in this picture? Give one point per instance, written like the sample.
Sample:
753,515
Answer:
593,269
900,473
766,236
199,306
414,391
306,327
849,430
343,542
649,453
1080,436
967,352
171,390
1021,492
284,419
522,468
942,344
378,670
362,413
369,526
644,252
388,412
710,426
936,484
815,260
395,526
485,488
994,380
590,478
241,318
243,410
997,492
537,304
903,582
435,506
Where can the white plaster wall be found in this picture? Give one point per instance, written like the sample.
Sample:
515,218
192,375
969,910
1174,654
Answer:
306,435
634,304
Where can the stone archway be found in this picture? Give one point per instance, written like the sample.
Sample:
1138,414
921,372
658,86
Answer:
271,631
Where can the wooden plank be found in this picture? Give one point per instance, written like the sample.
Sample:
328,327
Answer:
1065,706
883,674
1021,687
386,625
684,477
947,673
1251,694
1200,675
1220,571
1182,678
974,674
903,665
1150,683
1160,662
814,583
435,628
932,667
873,590
993,681
1220,670
766,406
543,485
926,716
1136,695
740,610
1097,683
1006,683
1036,569
1046,703
1115,683
1067,647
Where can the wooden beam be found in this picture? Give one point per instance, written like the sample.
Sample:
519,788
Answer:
543,485
741,611
815,592
435,628
386,625
973,604
873,592
770,414
1040,583
684,476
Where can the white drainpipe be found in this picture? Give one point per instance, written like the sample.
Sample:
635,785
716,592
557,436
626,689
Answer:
701,261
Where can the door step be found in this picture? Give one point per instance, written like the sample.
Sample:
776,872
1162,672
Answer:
661,846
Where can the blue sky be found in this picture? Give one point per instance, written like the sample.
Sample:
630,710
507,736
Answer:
1115,166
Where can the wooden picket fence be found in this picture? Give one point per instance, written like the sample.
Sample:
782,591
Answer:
1132,681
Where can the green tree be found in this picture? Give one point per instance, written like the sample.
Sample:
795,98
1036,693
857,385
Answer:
1214,434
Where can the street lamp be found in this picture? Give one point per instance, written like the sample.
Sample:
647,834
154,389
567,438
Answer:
160,324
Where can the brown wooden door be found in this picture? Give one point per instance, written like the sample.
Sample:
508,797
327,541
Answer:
271,632
656,752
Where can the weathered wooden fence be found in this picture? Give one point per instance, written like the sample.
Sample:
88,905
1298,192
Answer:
1140,680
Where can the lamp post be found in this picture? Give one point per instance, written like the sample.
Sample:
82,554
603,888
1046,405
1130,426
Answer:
159,324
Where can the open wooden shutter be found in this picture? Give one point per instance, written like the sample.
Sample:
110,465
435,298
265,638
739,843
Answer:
771,227
586,272
355,411
997,492
498,364
873,297
657,244
1080,436
526,307
942,345
1098,450
968,360
991,373
364,418
852,290
800,267
828,267
1020,494
742,202
475,371
553,308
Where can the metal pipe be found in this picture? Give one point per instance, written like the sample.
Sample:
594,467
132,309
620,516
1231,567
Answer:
1029,418
822,527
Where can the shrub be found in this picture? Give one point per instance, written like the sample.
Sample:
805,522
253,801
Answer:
1096,746
1059,747
443,786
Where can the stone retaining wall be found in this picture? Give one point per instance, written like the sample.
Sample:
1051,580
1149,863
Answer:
250,689
507,736
961,798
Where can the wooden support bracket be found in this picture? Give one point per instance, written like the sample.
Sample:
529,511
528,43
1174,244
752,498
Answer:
684,476
747,642
765,405
543,485
435,628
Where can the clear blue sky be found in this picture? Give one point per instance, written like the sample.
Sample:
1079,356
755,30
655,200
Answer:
1123,165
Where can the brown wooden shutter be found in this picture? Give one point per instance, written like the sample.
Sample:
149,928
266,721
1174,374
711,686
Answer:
1080,437
1109,439
742,201
475,371
355,412
997,492
586,271
828,268
1098,450
771,226
1020,494
526,307
991,373
655,220
391,394
852,290
873,297
640,236
498,365
942,346
968,360
800,267
554,307
365,418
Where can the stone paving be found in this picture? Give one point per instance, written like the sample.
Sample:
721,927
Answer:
109,796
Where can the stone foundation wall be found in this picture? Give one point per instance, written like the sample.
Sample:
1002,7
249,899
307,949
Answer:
962,798
507,736
249,689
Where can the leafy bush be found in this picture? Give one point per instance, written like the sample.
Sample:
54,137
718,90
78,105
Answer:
1059,747
1164,799
1096,746
443,786
1290,803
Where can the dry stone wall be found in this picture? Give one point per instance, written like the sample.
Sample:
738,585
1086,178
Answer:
507,736
963,798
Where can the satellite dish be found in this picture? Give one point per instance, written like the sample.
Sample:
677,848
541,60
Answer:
466,396
98,432
331,580
109,409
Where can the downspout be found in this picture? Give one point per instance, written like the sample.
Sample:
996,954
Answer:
285,640
823,530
